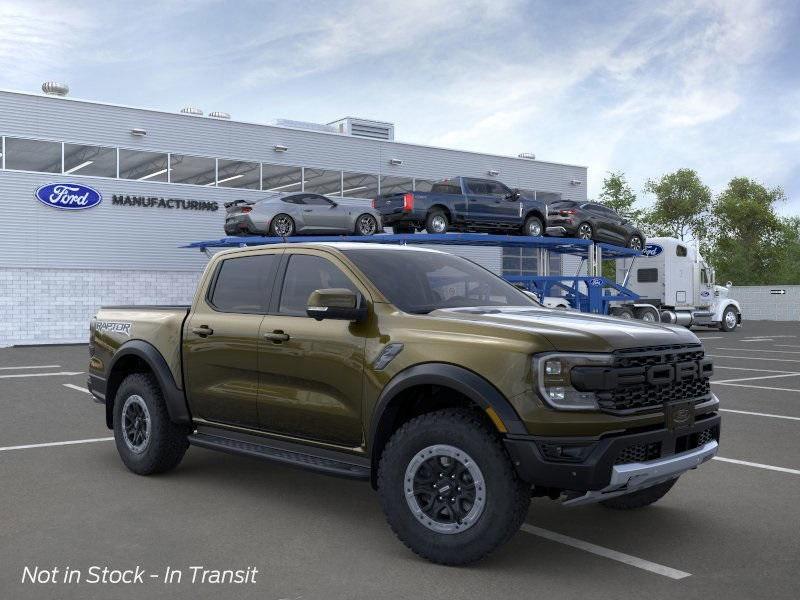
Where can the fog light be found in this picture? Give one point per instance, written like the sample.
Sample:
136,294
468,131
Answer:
555,393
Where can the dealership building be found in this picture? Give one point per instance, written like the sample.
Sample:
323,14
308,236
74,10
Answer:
161,180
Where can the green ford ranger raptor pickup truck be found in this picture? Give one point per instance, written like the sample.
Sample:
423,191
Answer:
453,393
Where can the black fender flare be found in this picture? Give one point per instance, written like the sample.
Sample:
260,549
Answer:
470,384
535,212
174,397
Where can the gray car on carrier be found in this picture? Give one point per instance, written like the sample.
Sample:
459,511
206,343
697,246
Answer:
285,215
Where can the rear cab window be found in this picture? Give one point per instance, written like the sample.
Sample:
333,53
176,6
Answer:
243,284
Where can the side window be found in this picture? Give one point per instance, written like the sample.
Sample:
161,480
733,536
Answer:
299,199
680,251
477,187
314,200
703,276
242,285
304,274
647,275
446,187
497,189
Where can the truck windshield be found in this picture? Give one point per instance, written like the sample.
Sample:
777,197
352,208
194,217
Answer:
419,282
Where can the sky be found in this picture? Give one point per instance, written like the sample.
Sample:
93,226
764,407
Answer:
639,87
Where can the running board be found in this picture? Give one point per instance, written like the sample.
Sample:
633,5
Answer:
297,455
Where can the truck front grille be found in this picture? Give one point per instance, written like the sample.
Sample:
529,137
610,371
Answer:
639,452
642,396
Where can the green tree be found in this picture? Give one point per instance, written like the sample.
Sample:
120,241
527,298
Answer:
618,195
681,206
750,243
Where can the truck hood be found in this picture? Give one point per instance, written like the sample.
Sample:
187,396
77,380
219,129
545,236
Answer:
573,331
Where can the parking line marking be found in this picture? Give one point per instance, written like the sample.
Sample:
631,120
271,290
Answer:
749,358
31,367
40,374
758,465
49,444
760,350
757,340
606,552
751,369
77,387
758,414
758,387
759,377
711,337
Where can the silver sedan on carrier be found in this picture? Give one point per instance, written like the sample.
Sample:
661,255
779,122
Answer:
284,215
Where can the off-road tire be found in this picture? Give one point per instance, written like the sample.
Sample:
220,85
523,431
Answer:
429,221
167,441
507,498
531,223
640,499
723,326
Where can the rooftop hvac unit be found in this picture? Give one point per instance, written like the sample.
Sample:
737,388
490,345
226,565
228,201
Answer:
192,110
53,88
303,125
527,155
219,115
376,130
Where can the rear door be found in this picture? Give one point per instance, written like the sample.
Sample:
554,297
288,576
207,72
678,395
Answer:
480,201
312,379
222,337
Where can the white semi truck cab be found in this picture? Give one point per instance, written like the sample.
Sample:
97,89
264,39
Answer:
675,285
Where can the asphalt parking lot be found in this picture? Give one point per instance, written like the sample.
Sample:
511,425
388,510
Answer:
730,529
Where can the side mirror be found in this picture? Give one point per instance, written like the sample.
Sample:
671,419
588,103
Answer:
336,303
729,284
334,204
514,195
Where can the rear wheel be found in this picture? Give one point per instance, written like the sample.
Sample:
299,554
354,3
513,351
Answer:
729,319
585,231
282,226
448,488
640,499
147,440
533,227
622,313
366,225
647,314
436,222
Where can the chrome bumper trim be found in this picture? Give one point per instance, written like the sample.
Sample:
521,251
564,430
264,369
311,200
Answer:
629,478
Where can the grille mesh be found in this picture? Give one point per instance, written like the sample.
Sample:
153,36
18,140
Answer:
627,398
640,452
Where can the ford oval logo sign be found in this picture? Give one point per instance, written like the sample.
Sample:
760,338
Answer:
652,250
68,196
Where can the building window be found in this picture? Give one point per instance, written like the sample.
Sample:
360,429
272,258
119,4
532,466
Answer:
279,178
359,185
143,166
196,170
97,161
423,185
396,185
33,155
238,174
321,181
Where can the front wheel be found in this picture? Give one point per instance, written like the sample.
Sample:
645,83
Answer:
729,319
366,225
533,227
147,440
640,499
448,488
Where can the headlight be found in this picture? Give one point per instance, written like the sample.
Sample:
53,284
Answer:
552,372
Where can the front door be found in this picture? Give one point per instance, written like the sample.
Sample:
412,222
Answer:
324,215
222,337
311,371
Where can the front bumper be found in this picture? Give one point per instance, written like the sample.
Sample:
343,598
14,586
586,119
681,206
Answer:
616,464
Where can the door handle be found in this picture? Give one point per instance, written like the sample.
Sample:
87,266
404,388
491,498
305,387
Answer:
203,330
277,336
307,210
